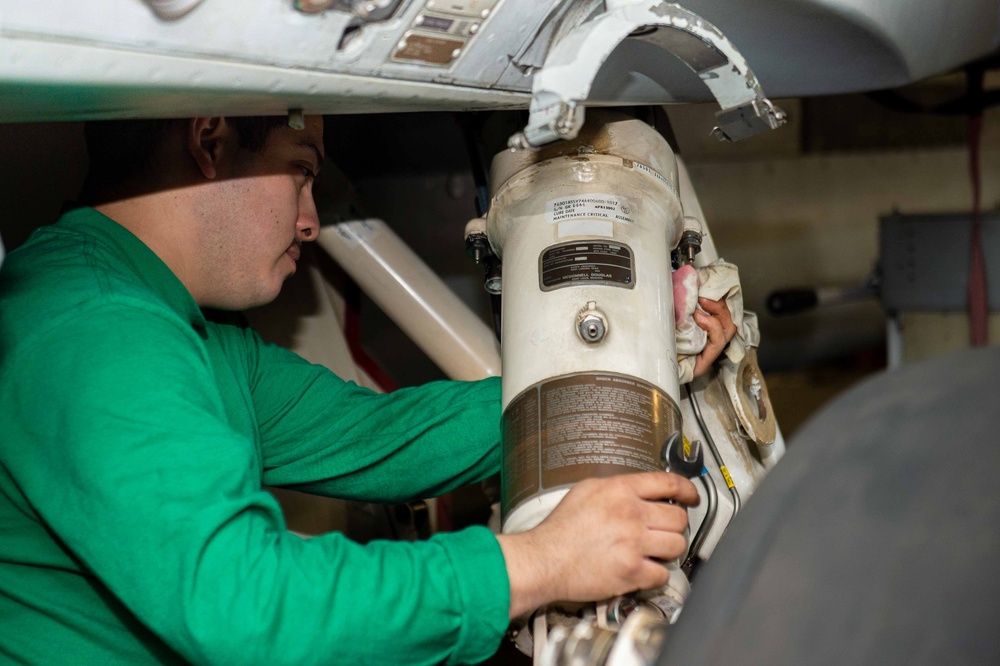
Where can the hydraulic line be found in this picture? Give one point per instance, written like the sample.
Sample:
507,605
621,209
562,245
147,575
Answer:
706,525
737,504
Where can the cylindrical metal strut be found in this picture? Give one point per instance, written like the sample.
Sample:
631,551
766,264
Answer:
585,230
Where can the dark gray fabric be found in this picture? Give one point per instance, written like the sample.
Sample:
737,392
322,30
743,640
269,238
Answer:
875,541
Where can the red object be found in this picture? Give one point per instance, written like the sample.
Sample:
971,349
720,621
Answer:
444,523
352,331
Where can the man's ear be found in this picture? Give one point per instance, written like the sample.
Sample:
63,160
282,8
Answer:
206,142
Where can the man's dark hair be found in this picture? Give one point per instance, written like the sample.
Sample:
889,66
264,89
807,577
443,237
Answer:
252,132
122,149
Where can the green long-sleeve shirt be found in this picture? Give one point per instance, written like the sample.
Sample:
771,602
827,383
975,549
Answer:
134,442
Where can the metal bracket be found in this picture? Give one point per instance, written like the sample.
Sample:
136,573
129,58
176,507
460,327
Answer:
563,83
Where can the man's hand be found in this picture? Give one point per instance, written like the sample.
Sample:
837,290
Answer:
715,319
607,537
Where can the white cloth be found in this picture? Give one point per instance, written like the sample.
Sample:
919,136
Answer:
717,281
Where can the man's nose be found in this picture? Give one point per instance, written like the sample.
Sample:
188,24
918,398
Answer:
307,226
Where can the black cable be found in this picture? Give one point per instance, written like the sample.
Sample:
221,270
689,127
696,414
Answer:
471,125
495,305
711,509
696,408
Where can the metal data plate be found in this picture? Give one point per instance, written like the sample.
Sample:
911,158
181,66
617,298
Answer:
428,49
925,261
586,263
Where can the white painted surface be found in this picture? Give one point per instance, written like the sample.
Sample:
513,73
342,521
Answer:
414,297
539,327
71,60
540,338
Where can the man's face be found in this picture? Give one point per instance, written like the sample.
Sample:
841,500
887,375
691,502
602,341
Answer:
261,211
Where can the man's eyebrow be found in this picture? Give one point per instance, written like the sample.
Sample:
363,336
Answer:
307,143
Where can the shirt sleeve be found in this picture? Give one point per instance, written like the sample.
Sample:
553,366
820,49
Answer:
133,468
332,437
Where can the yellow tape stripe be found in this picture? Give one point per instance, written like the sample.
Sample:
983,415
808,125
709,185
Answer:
725,475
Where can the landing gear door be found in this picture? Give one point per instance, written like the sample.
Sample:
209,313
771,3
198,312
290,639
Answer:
566,79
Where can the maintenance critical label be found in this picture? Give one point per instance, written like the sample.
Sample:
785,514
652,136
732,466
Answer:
601,206
574,427
588,262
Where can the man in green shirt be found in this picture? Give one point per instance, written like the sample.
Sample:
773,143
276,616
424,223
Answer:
138,433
